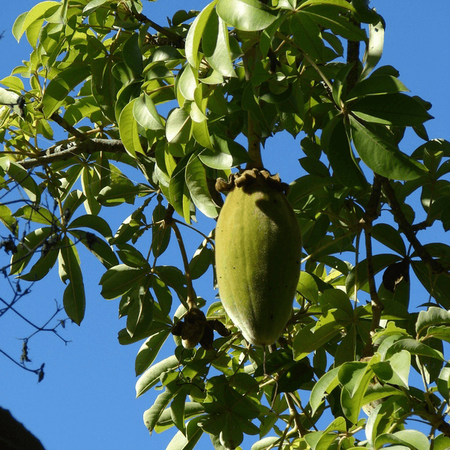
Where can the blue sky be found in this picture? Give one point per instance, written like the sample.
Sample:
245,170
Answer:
86,400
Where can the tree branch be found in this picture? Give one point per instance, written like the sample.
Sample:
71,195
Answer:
408,229
62,153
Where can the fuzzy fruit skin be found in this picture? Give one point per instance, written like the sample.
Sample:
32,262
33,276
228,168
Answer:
258,253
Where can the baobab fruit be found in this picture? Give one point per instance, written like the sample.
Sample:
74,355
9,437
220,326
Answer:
258,252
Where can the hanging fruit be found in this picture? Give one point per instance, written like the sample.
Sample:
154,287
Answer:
258,252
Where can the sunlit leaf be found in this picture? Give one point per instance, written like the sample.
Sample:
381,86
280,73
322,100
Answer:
59,87
198,187
245,15
129,131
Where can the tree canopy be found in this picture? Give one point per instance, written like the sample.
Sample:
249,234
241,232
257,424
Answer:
152,116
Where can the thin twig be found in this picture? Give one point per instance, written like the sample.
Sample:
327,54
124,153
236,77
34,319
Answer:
191,295
408,229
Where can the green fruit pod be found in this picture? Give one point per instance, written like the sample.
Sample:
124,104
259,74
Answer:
258,253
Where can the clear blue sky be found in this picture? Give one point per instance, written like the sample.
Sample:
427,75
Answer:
86,400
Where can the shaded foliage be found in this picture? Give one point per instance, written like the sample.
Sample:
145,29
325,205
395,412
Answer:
153,120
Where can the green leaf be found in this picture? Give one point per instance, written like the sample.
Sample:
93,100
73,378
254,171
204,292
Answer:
307,287
98,247
152,375
93,5
411,438
119,190
383,157
191,409
441,442
7,218
140,310
340,155
18,26
201,261
198,187
330,17
374,47
326,384
187,83
351,404
437,285
391,109
69,268
216,46
297,375
178,192
443,382
376,85
351,375
149,350
306,340
195,34
132,55
24,179
433,316
152,415
27,248
59,87
226,154
358,274
174,278
26,20
307,36
37,214
187,441
415,348
44,264
120,279
266,443
95,223
73,201
245,15
390,237
179,126
128,130
161,231
177,410
145,113
396,370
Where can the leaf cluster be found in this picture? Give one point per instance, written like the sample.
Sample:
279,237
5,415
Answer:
152,120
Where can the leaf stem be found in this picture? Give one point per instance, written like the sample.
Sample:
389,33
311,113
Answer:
191,295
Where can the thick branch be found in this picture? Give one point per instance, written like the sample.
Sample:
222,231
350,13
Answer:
61,153
407,228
